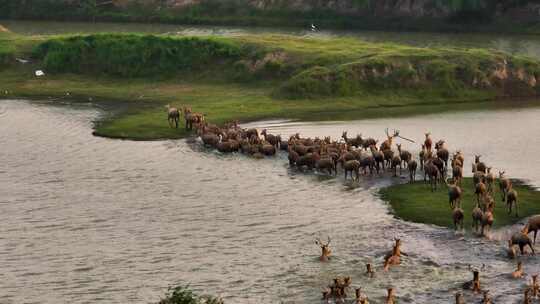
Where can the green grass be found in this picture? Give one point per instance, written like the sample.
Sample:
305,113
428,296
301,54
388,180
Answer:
246,78
416,203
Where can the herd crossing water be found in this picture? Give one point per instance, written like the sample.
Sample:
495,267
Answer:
88,219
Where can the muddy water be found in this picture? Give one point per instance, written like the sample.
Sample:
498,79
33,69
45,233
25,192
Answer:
93,220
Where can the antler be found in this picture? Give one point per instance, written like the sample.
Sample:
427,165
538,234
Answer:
386,131
329,240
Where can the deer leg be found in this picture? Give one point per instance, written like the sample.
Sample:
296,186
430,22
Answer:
535,236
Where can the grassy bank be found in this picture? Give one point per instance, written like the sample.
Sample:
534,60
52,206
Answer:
416,203
255,77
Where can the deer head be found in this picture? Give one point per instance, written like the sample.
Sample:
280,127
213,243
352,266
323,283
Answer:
477,158
501,174
325,248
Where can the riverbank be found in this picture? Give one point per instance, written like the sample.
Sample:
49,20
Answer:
250,78
423,16
416,203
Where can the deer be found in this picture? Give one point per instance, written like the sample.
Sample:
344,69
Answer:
393,258
486,299
390,297
388,155
369,270
535,286
480,166
457,174
352,166
522,239
487,219
511,251
454,194
490,180
428,143
533,225
355,142
504,184
378,156
173,116
527,299
459,298
396,162
361,298
477,217
325,250
412,165
431,171
518,273
480,190
474,284
274,140
387,144
457,216
442,152
511,200
405,156
422,155
192,118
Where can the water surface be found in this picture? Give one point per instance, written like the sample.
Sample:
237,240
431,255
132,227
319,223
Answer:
93,220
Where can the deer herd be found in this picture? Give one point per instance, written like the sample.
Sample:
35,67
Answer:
359,155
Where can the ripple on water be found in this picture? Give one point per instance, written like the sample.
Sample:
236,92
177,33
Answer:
90,219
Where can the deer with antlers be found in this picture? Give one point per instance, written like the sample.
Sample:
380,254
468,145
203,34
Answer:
387,144
325,250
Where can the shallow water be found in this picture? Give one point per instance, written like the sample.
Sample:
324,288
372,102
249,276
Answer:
515,44
87,219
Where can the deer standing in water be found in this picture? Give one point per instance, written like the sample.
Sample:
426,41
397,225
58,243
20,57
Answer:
387,144
369,270
474,284
393,258
518,273
325,250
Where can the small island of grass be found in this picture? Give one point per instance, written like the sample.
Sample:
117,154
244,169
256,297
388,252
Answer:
415,202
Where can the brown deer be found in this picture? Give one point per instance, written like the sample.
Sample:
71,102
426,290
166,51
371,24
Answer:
480,166
379,158
511,200
369,270
361,298
533,225
458,215
428,143
274,140
535,286
490,180
396,162
325,250
511,251
504,184
477,217
518,273
405,155
486,299
192,118
355,142
480,191
394,257
387,144
457,174
422,156
442,152
390,297
454,194
432,172
522,239
173,116
459,298
527,298
474,284
487,219
412,165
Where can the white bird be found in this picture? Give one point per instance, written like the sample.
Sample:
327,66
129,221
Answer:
40,73
23,61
